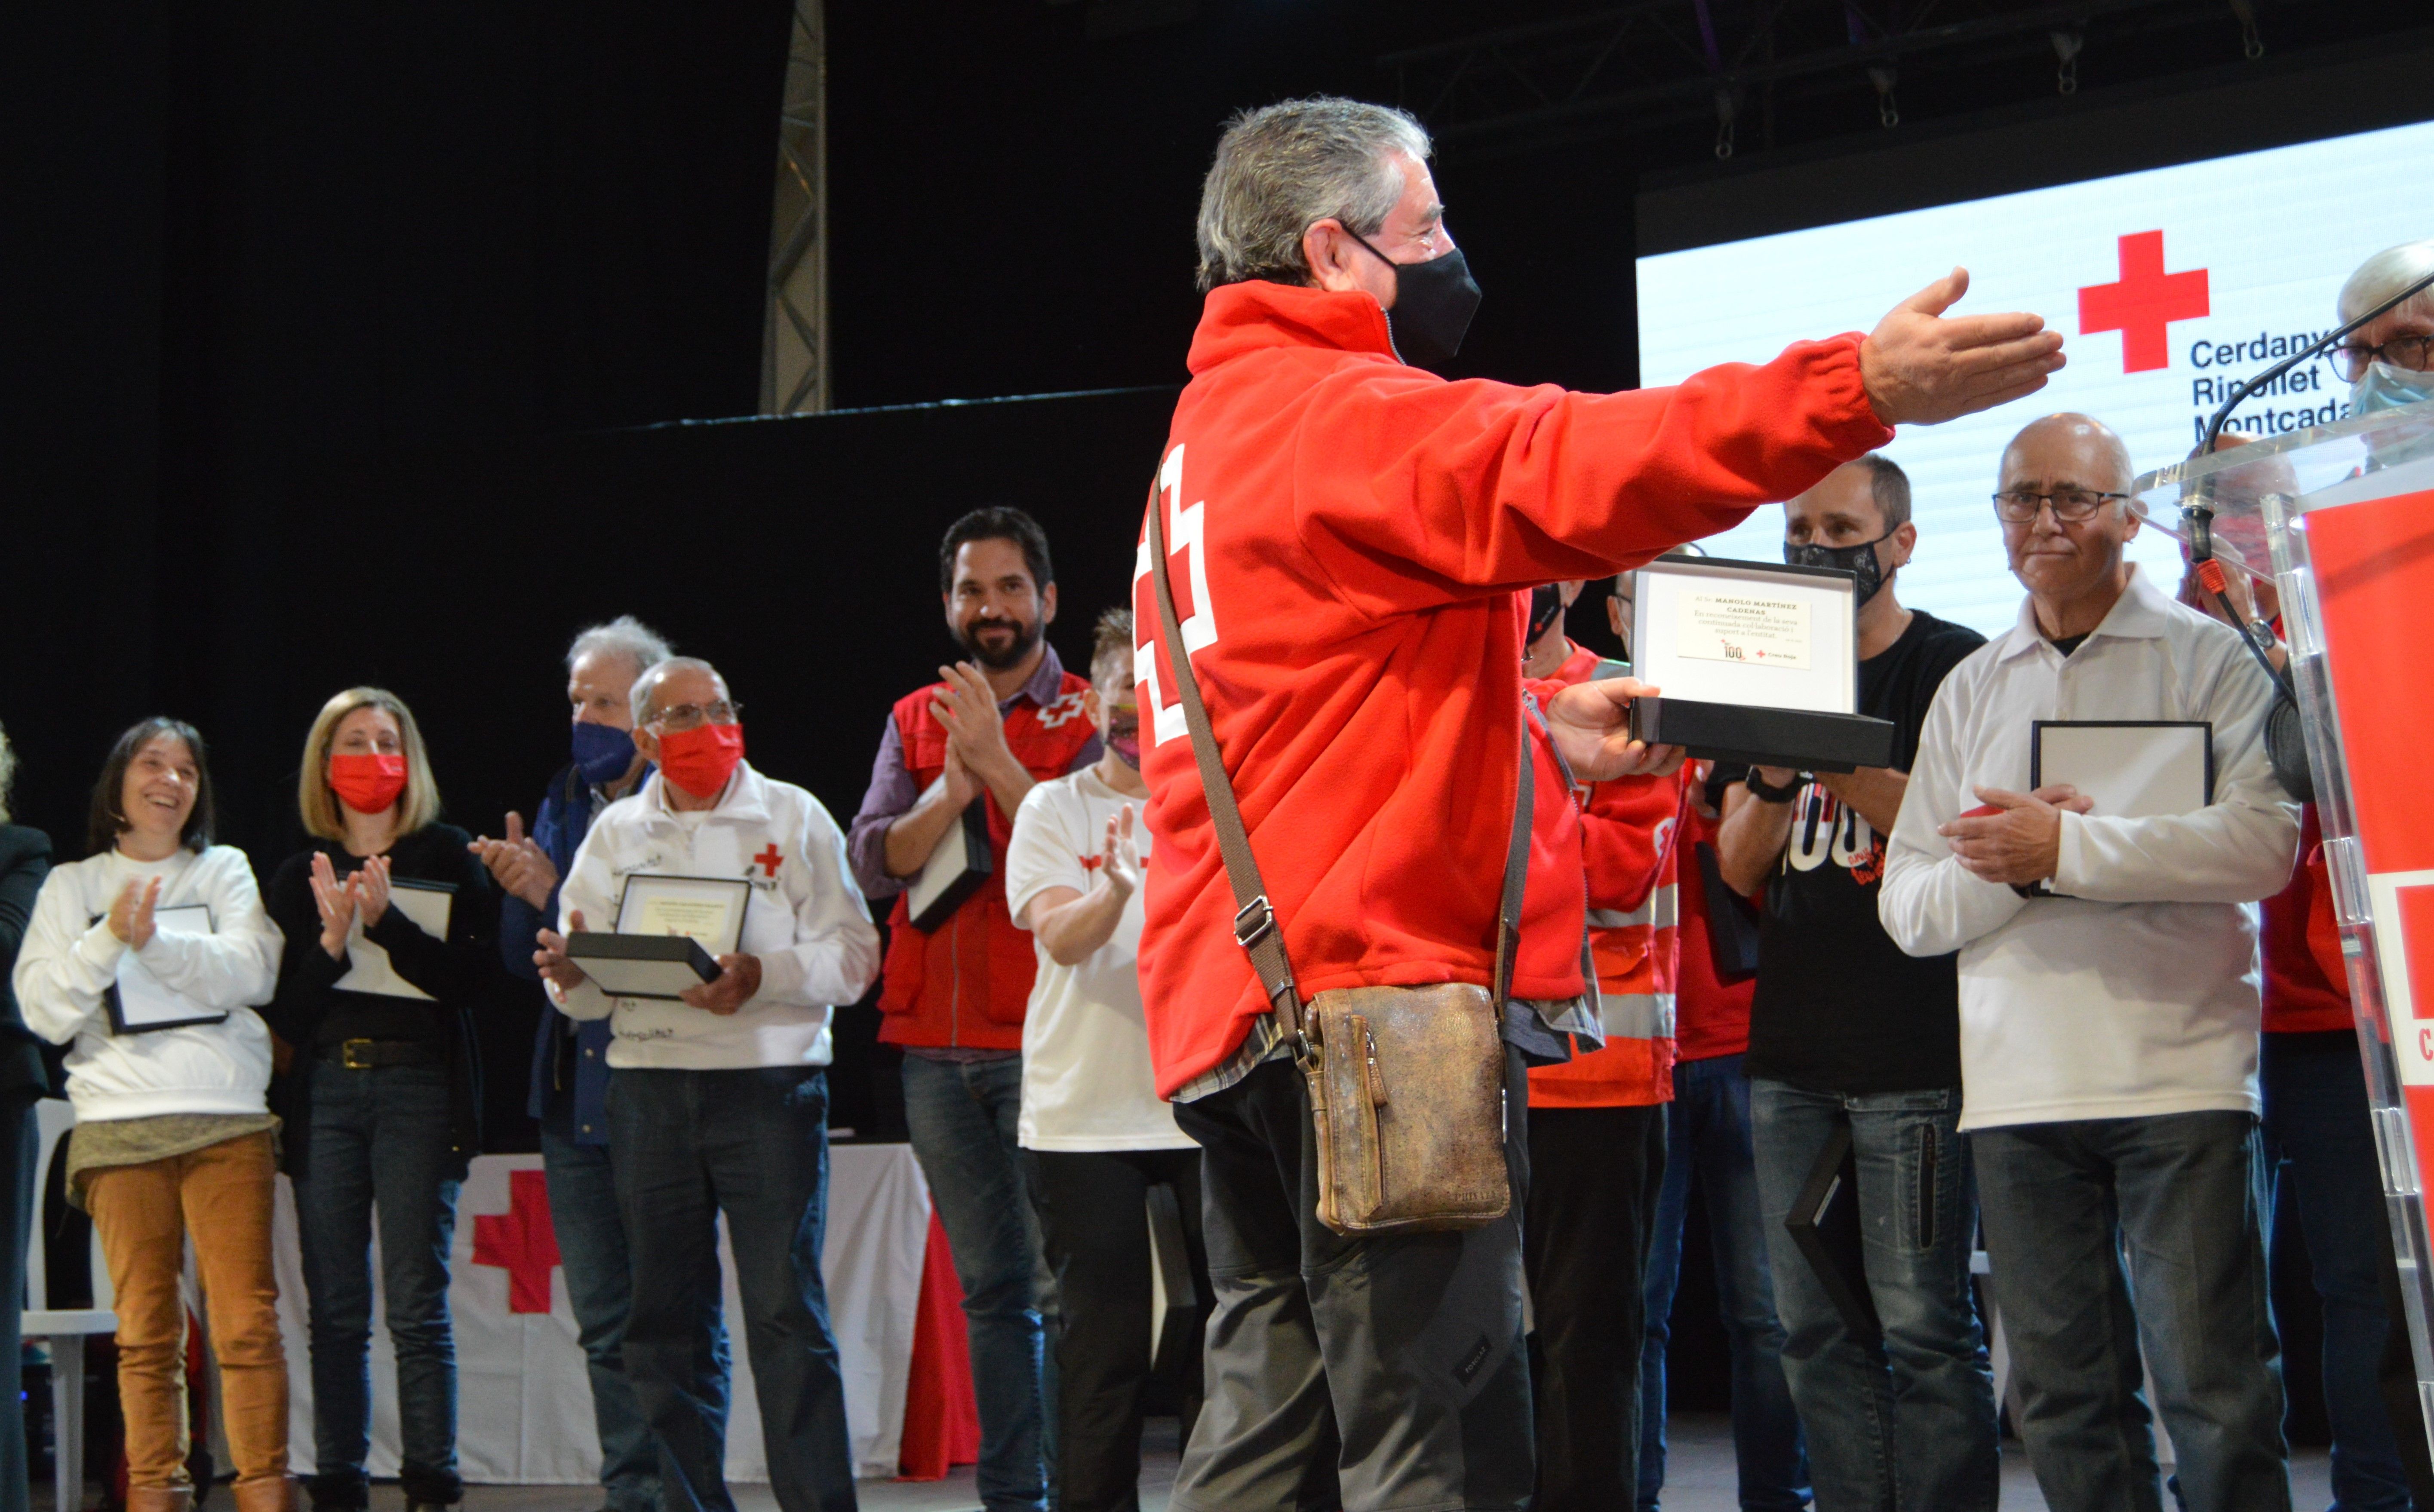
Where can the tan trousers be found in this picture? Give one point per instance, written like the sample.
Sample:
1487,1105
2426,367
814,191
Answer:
221,1195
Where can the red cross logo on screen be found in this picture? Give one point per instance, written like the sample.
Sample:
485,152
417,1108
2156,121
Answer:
767,860
2143,303
521,1241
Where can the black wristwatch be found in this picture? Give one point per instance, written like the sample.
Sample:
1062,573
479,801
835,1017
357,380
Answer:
1770,791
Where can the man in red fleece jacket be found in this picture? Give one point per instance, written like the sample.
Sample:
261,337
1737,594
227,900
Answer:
1346,535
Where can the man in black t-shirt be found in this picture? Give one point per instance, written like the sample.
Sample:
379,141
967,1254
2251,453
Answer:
1846,1032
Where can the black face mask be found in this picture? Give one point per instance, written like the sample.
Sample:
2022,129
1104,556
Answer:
1859,561
1433,303
1546,607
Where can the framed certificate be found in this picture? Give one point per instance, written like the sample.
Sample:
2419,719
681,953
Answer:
642,965
1758,662
958,864
369,968
708,909
139,1002
1824,1227
2129,769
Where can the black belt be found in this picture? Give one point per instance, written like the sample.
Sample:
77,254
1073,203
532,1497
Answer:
364,1055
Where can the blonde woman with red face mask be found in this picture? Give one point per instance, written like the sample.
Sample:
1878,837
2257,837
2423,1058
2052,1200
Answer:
391,924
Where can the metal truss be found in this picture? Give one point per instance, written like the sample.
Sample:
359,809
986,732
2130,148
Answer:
1662,61
794,338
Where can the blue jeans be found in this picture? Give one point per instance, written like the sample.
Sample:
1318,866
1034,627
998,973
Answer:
1708,1140
962,1120
2320,1152
2183,1196
379,1139
1908,1423
753,1145
600,1285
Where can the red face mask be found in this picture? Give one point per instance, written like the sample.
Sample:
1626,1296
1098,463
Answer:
701,759
366,781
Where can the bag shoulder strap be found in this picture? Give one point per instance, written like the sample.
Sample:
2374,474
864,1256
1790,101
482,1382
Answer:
1254,919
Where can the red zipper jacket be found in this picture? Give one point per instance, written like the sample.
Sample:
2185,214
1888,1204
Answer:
1348,535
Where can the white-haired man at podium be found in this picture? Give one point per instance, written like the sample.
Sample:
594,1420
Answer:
2108,999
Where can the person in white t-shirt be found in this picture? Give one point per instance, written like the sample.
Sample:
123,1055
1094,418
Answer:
1103,1141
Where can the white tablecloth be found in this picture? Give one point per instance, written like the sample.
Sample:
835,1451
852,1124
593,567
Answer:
523,1400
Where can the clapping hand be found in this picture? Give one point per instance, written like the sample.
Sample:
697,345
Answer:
371,883
521,868
130,914
1120,854
552,957
975,730
337,903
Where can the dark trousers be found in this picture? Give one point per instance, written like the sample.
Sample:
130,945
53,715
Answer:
1366,1373
1595,1176
2319,1158
2181,1197
1091,1213
380,1142
752,1145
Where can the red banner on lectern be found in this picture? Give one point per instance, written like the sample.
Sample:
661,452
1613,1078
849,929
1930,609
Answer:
2374,566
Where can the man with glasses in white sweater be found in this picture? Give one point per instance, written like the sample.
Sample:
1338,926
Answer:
2109,1002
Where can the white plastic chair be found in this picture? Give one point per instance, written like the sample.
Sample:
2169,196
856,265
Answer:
63,1329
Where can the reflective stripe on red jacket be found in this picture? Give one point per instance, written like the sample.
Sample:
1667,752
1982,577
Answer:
965,984
1627,831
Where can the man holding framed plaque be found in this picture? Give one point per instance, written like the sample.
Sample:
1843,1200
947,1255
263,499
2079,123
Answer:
719,1106
2108,992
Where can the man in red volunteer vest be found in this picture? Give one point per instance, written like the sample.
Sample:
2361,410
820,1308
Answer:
953,994
1597,1121
1348,535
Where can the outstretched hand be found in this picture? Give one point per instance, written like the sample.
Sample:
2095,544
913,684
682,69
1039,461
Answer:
1590,722
1921,367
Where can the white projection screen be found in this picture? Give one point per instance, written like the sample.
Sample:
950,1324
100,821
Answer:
2166,285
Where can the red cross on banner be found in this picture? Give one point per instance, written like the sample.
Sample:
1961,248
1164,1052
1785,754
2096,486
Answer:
2144,303
768,859
521,1241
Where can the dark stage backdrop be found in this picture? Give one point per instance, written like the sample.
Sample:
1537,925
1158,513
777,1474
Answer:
800,555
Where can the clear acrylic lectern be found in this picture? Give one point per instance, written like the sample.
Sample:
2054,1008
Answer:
2341,518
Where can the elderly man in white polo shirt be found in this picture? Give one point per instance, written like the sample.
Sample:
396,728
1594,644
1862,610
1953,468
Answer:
717,1104
2108,1031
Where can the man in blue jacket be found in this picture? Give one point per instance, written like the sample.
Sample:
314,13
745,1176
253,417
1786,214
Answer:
570,1066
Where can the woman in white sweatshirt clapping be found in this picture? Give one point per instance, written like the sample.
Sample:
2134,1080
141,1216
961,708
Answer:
148,956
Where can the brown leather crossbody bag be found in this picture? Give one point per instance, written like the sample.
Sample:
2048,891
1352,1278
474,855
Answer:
1406,1083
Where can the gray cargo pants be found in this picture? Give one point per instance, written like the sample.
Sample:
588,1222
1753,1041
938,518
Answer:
1375,1375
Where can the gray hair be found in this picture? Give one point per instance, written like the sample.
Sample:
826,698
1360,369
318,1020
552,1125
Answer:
7,773
646,686
622,637
1282,168
2385,275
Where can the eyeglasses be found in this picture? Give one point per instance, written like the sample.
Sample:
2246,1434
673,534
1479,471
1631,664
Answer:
2019,506
694,716
2414,351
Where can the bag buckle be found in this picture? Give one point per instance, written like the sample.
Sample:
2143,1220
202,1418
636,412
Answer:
350,1049
1254,922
